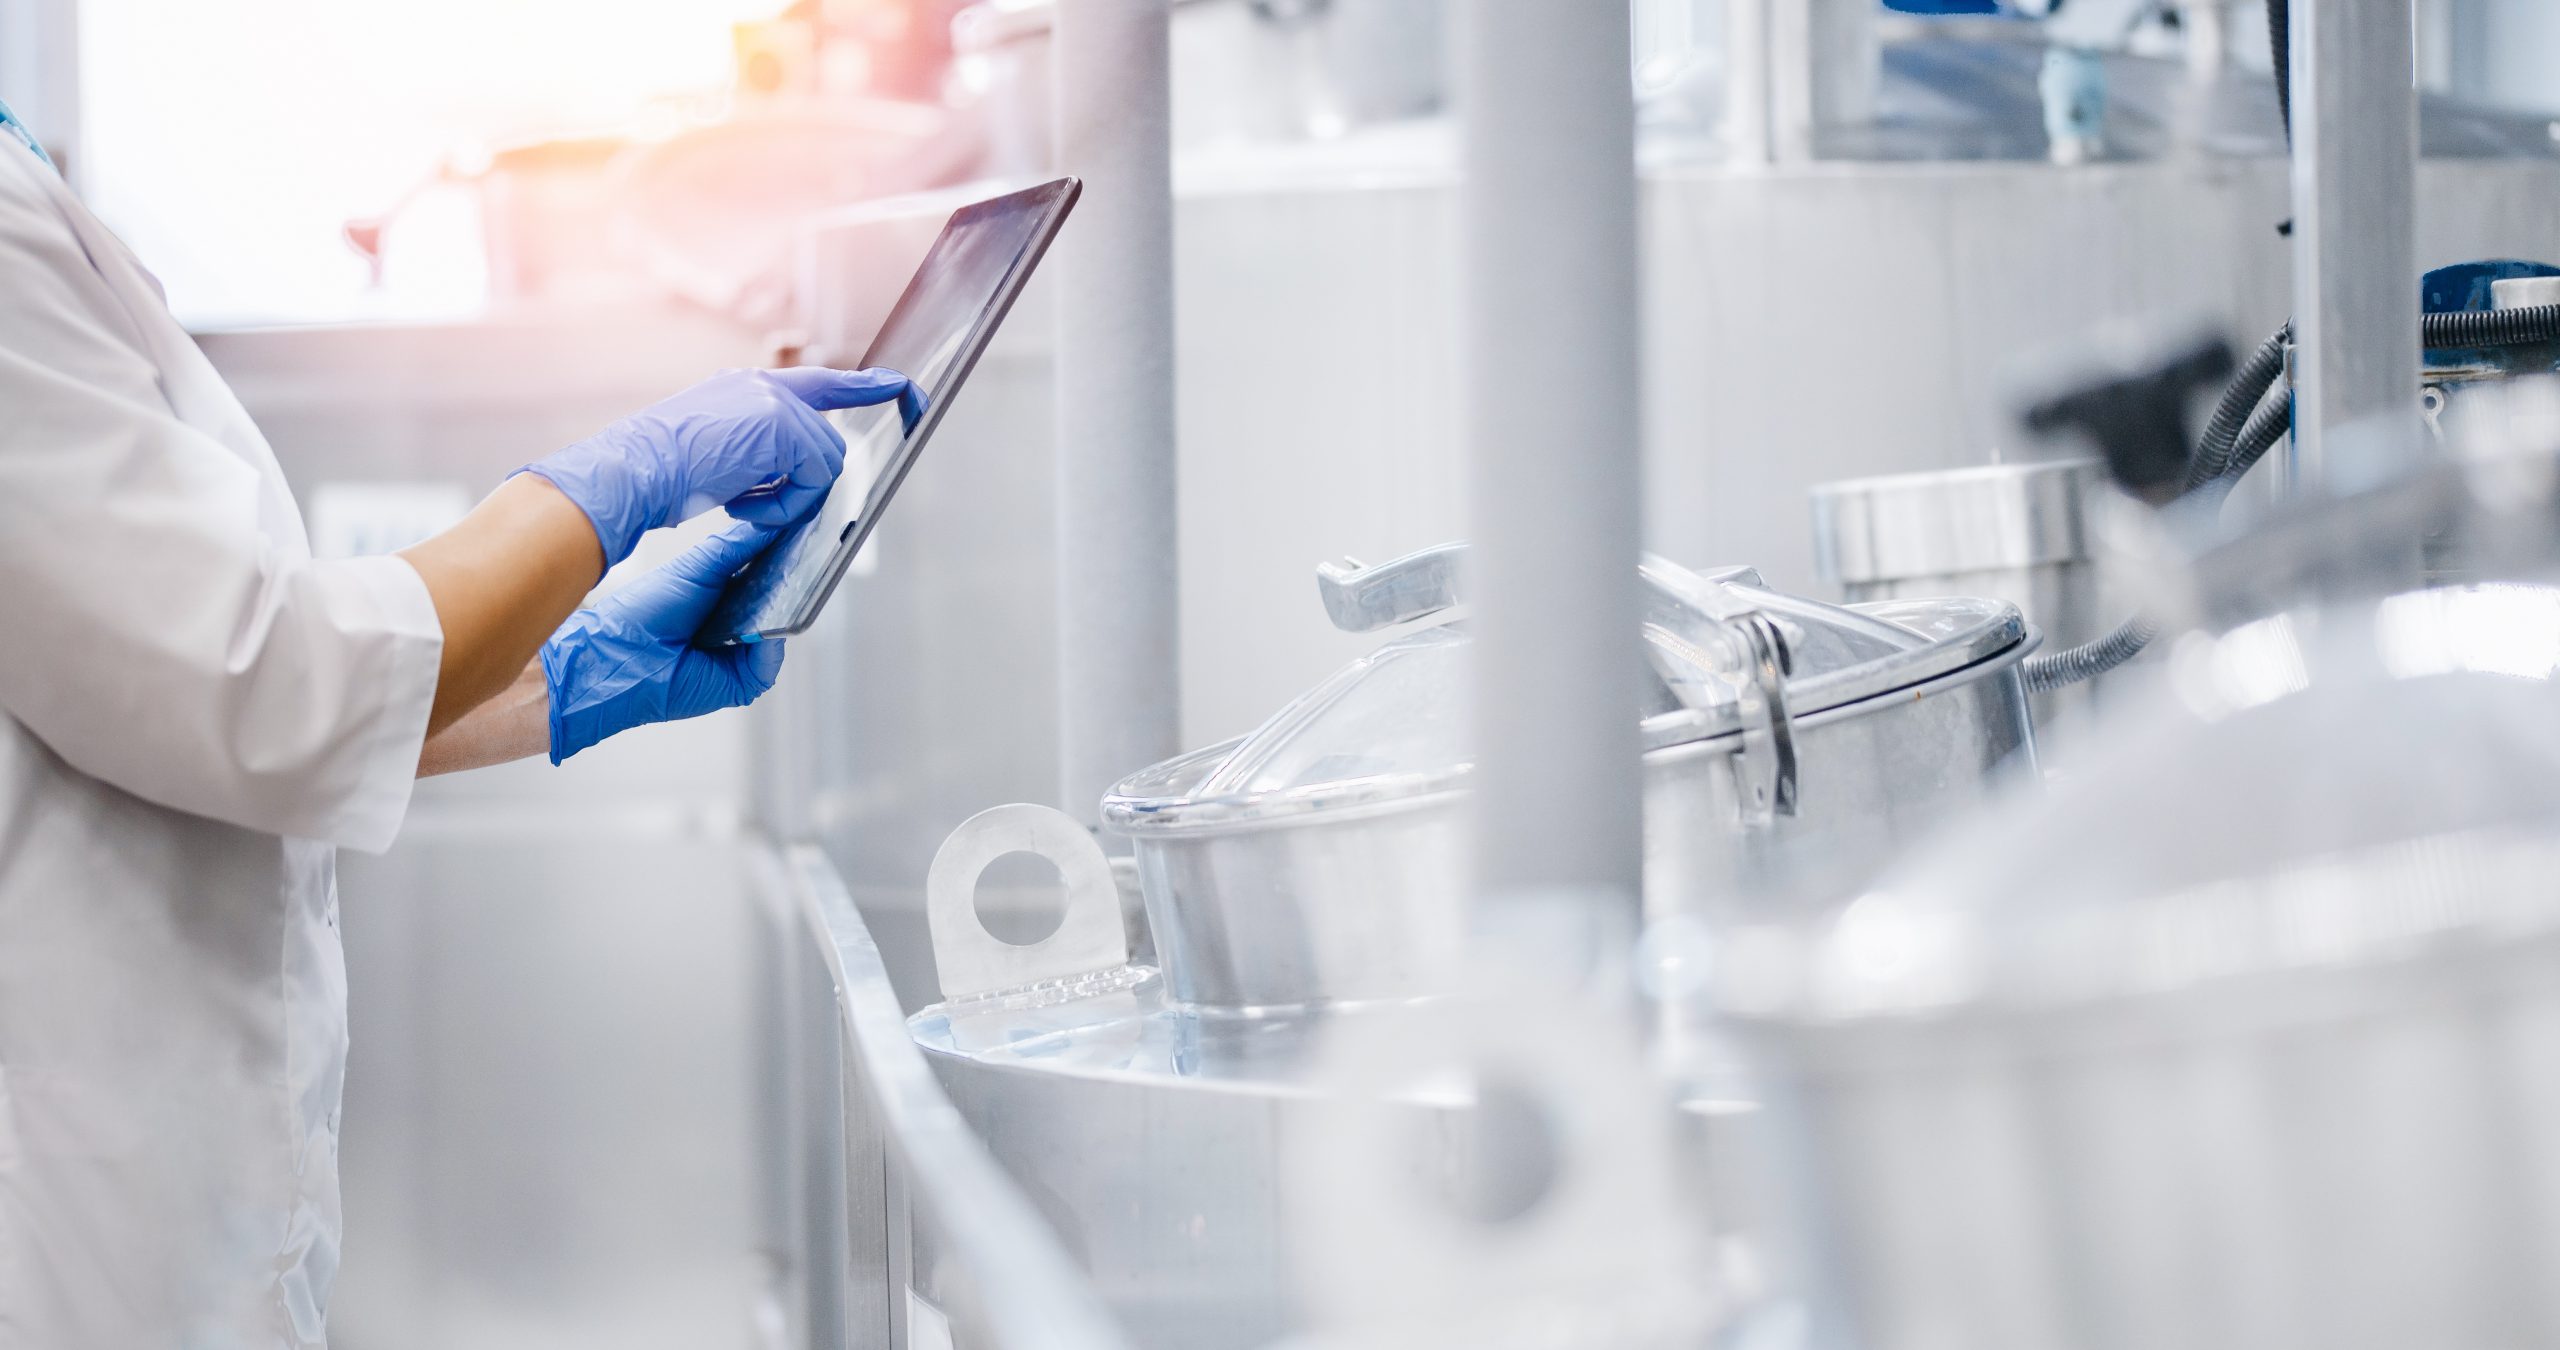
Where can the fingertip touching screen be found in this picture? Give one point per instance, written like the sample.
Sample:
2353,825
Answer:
933,336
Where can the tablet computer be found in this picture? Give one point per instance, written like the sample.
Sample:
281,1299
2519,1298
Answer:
933,336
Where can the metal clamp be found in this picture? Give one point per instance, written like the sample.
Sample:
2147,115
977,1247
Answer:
969,960
1707,631
1764,773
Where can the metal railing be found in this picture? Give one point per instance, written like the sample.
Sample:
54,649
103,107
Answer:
892,1225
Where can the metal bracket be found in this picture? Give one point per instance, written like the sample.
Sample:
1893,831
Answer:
972,962
1764,772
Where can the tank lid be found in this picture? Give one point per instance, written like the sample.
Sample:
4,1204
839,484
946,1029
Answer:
1397,725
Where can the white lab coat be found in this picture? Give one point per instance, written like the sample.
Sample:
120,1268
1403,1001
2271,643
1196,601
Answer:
193,712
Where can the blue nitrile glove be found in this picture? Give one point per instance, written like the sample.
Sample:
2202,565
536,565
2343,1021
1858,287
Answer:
630,661
750,440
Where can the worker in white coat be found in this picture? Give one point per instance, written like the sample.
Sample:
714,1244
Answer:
194,713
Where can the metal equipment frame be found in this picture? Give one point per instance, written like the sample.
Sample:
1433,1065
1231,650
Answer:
890,1224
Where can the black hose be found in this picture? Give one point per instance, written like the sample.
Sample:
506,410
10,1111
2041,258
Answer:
2517,327
2231,413
2261,435
2240,433
2280,46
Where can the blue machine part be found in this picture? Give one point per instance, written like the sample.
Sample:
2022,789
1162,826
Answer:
2462,288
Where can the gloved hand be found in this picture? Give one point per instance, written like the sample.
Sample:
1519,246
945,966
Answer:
751,440
630,660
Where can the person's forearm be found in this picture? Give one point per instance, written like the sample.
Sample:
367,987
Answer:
514,725
502,580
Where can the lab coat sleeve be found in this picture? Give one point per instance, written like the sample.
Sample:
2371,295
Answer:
152,633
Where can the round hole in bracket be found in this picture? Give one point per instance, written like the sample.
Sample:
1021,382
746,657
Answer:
1021,898
1494,1161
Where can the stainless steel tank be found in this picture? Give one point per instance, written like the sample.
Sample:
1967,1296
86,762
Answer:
1304,882
1791,747
1808,324
2248,1036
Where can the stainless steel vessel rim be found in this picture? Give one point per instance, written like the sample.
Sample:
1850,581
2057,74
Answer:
1998,641
1946,522
1926,480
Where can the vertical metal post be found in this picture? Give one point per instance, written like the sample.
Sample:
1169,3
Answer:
1119,657
40,73
1793,67
2355,272
1550,379
1749,131
2207,24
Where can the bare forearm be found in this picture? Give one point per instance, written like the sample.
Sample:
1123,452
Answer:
514,725
502,580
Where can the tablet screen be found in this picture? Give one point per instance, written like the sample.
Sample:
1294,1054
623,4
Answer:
933,336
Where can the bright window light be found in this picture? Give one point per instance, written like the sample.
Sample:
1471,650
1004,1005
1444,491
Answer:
229,143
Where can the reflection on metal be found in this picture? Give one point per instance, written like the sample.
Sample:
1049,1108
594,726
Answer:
2014,532
1790,747
929,1220
2296,1015
1765,772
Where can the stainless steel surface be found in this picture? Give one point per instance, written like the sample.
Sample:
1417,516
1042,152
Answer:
1255,1212
1322,858
1966,264
1548,245
941,1248
1117,571
931,691
2281,1048
2355,235
2243,1041
2014,532
1189,1244
1991,518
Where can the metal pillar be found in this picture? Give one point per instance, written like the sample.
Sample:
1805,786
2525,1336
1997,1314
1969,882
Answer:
40,74
2355,271
1119,663
1550,370
1793,68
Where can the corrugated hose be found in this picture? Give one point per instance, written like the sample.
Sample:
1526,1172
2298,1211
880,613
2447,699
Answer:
2239,434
